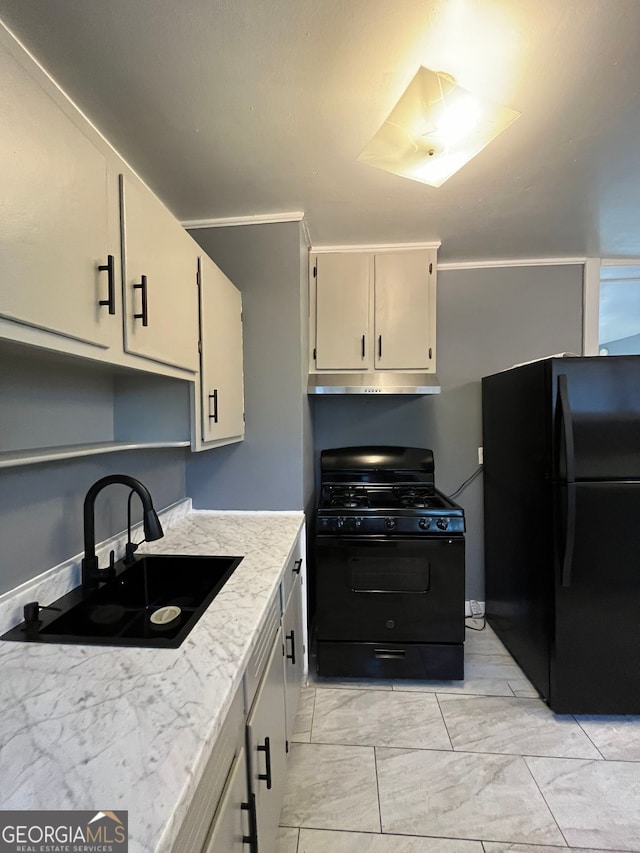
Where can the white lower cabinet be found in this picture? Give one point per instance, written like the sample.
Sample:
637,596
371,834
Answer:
294,654
233,829
266,742
237,804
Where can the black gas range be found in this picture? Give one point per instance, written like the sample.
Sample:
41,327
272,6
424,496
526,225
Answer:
389,552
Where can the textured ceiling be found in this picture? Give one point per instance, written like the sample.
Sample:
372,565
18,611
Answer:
241,107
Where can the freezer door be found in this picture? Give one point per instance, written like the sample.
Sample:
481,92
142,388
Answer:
595,649
596,405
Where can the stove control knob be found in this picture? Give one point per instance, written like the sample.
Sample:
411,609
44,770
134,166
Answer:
424,523
357,522
442,523
390,523
340,523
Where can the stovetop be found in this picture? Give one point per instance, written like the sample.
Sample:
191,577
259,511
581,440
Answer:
386,497
387,510
380,490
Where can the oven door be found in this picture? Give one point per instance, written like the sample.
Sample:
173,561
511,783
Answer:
396,589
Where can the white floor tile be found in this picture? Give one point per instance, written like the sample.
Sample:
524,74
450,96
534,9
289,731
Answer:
304,717
515,726
323,841
617,738
463,795
470,686
596,803
331,787
379,718
287,840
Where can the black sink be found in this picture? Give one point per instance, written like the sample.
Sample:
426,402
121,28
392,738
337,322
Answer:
120,612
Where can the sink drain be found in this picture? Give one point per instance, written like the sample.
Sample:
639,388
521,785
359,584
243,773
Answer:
164,617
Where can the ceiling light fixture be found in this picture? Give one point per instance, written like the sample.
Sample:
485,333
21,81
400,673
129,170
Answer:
435,129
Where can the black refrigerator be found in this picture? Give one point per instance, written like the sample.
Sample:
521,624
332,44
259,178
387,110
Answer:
561,440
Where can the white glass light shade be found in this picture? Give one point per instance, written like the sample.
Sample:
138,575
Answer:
434,129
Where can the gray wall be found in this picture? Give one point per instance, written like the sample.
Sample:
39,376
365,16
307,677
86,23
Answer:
267,469
41,506
488,319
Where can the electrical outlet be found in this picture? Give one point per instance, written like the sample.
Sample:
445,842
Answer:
480,455
476,609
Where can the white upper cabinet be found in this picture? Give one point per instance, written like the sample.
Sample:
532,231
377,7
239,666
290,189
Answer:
403,311
160,263
58,214
342,338
221,362
374,311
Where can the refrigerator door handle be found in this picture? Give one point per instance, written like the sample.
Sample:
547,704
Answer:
565,419
569,535
565,424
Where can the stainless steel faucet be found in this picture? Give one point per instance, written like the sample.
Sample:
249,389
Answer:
92,574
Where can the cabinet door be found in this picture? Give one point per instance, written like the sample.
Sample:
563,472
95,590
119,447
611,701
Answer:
233,821
221,370
160,275
342,312
403,311
267,751
293,654
58,217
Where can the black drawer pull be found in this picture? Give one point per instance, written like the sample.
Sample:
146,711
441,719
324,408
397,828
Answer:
379,346
266,777
363,346
144,315
109,268
297,566
252,838
389,654
214,397
292,637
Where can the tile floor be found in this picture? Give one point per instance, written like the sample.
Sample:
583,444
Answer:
480,766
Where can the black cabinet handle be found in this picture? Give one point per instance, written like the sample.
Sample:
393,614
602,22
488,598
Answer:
292,637
214,397
266,777
363,346
144,316
297,566
110,270
252,838
379,346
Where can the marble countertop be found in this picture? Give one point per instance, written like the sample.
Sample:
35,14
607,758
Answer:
109,728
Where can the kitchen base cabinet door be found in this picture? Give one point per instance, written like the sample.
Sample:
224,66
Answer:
293,654
233,828
267,750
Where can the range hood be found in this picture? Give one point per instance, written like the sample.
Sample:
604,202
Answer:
380,382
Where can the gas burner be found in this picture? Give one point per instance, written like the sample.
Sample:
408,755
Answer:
349,501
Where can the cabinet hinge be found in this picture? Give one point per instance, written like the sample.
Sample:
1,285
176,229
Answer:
315,354
430,268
